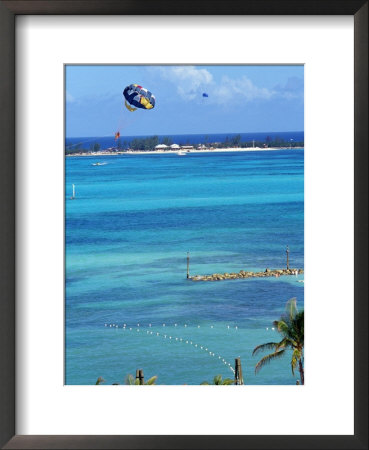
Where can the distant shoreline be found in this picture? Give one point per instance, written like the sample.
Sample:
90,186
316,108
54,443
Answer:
182,152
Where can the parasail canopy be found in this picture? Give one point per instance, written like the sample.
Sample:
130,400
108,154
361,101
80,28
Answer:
205,94
138,97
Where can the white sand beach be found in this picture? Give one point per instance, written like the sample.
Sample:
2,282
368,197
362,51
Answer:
183,152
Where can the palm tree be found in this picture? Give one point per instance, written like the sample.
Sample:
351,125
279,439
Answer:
291,327
219,381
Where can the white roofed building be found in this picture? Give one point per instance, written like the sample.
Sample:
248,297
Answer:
161,147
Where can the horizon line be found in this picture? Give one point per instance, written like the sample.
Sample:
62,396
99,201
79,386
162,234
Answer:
183,134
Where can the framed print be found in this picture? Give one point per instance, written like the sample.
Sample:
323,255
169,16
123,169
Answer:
176,181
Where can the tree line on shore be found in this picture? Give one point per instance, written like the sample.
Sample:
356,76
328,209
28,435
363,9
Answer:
149,143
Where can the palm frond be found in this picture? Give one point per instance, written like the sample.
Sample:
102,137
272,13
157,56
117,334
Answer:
217,379
268,358
267,346
205,383
296,356
152,380
100,380
227,381
129,380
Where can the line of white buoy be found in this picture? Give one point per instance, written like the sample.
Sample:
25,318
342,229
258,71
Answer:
114,325
175,338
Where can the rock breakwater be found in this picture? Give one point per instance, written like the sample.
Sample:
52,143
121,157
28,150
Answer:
246,274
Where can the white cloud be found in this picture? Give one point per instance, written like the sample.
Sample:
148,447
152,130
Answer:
190,82
241,89
189,79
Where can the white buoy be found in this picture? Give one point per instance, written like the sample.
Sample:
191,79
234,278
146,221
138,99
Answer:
175,324
272,329
228,326
185,325
198,326
267,328
149,324
212,326
163,324
106,324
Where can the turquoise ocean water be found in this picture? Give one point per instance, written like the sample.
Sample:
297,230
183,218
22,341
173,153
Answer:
127,235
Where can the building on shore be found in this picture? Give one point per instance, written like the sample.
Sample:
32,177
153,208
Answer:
161,147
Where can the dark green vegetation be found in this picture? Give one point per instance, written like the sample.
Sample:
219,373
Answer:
218,381
131,381
291,327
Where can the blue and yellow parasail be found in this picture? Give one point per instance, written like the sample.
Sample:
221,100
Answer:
138,97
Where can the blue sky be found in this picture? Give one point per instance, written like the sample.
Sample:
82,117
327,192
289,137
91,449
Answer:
241,99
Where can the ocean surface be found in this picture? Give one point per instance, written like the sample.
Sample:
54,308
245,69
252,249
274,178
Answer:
128,232
183,139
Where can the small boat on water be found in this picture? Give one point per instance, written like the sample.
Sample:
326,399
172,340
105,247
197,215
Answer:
181,153
99,164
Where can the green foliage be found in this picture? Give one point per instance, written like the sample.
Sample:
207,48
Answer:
131,381
167,141
218,381
144,143
95,147
100,380
291,327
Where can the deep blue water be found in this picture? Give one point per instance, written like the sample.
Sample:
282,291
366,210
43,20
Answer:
182,139
127,235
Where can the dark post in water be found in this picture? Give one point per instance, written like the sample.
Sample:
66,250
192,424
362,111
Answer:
288,254
188,264
238,379
140,376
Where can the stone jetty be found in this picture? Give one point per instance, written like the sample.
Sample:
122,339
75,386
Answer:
246,274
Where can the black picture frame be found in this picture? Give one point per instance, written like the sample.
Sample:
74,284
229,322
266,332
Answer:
8,11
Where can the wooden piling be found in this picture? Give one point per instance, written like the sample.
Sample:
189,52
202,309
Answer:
288,254
238,378
188,265
141,376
